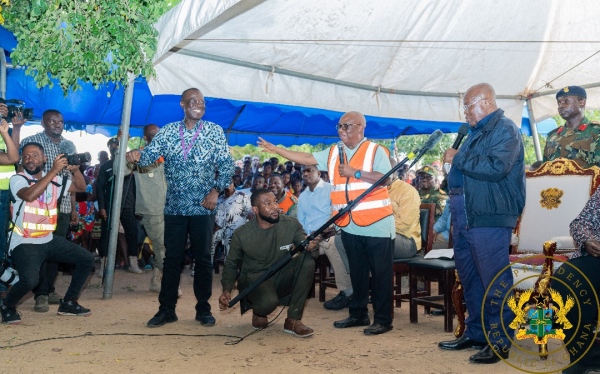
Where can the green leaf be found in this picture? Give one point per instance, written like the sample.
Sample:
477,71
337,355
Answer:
69,40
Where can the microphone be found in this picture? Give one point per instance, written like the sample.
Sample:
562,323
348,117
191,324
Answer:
340,146
433,140
462,132
67,147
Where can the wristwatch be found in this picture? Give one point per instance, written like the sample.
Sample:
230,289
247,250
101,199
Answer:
218,189
358,174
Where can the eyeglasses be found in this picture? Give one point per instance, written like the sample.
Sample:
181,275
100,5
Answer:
344,126
466,107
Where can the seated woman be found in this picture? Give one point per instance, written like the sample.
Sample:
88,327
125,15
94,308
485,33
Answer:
582,273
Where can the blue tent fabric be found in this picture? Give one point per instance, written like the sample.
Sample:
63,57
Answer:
99,110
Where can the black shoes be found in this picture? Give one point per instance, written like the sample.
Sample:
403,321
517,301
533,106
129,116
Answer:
163,316
489,355
377,328
206,319
10,315
72,308
341,301
352,322
461,343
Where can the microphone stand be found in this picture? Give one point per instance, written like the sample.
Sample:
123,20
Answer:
417,154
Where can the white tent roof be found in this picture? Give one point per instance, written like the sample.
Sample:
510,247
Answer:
393,58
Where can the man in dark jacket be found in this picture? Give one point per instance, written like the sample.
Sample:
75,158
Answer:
487,194
104,187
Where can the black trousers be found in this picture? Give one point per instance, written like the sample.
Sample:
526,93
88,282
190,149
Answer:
130,226
578,278
367,254
49,268
177,229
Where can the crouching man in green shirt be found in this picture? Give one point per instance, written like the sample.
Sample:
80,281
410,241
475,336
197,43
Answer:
256,246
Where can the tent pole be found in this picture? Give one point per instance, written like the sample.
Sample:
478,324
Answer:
2,74
118,190
534,132
239,113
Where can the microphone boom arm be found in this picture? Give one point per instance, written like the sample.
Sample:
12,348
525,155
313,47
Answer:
416,155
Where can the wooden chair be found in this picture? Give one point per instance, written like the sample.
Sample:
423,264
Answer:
325,276
426,219
556,192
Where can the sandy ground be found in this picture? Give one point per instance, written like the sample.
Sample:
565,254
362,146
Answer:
118,340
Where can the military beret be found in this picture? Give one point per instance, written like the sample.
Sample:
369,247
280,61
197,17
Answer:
428,169
572,91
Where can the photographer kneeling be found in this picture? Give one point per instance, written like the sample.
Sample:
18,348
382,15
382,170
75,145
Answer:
35,214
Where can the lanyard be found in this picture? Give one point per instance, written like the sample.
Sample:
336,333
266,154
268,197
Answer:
187,147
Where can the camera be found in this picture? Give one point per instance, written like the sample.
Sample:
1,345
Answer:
78,158
8,275
15,106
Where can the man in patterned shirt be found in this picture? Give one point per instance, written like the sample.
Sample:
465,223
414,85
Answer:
233,210
193,150
579,138
53,124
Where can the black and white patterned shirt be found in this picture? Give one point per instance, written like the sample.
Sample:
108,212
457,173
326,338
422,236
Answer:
51,150
586,226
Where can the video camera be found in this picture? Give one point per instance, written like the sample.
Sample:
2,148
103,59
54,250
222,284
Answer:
67,148
15,107
78,158
8,275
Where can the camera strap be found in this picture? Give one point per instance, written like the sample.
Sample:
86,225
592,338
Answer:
62,191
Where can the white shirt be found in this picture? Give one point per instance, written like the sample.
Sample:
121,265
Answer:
17,183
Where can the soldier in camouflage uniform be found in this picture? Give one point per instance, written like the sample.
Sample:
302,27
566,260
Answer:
429,191
578,139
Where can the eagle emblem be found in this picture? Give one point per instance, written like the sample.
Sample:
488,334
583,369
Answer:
551,198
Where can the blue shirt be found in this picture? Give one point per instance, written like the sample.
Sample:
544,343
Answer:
190,180
314,207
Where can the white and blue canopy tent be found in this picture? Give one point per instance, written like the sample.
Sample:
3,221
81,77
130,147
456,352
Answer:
410,59
287,70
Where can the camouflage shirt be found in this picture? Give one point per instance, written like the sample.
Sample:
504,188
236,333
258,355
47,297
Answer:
438,197
581,144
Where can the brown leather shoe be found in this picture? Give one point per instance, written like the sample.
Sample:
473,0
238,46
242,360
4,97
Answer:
295,327
259,322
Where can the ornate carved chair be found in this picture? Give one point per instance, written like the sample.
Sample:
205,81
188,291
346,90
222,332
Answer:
556,193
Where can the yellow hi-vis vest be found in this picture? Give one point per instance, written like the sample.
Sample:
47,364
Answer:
6,171
39,216
373,207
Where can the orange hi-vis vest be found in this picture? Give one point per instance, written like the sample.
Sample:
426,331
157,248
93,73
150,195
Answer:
39,216
373,207
288,201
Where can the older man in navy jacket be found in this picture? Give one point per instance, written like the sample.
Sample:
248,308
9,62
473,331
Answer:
487,194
